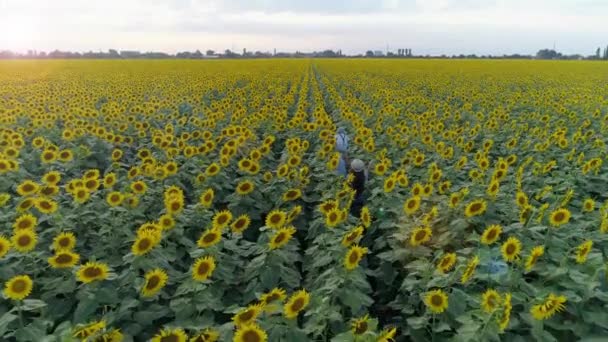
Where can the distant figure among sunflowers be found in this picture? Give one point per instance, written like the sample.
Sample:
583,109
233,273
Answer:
342,147
360,176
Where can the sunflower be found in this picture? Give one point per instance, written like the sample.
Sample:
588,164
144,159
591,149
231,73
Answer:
411,205
24,240
209,238
156,279
352,236
212,170
588,205
455,199
166,222
446,262
387,335
333,217
491,234
389,184
247,316
66,156
25,205
139,187
64,259
417,189
490,300
436,301
470,270
145,242
328,205
475,208
174,205
83,331
4,198
170,335
521,199
559,217
552,305
27,188
26,221
18,287
250,333
583,250
510,249
359,326
354,256
51,178
276,294
296,303
536,253
109,180
281,237
203,268
493,188
5,245
48,156
112,335
292,195
276,219
365,217
420,235
504,318
92,184
245,187
241,223
207,335
92,271
206,198
293,213
81,195
222,219
115,198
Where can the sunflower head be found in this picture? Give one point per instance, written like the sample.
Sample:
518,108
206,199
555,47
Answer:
155,280
510,249
490,300
281,237
354,256
24,240
360,326
203,268
276,219
436,301
92,271
210,237
64,259
18,287
491,234
250,333
170,335
222,219
296,303
247,315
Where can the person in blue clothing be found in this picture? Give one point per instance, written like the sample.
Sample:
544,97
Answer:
342,147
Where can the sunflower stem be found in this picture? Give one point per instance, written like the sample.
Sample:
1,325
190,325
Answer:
433,329
19,304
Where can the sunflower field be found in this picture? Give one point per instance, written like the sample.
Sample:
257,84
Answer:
199,201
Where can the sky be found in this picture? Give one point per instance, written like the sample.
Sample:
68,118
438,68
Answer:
426,26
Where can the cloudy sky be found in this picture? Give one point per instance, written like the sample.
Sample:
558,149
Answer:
425,26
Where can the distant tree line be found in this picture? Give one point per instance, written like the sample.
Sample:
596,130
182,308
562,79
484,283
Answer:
400,53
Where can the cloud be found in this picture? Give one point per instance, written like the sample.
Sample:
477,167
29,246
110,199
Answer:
427,26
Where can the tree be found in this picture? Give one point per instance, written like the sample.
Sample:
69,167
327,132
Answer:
369,53
597,53
547,54
210,53
606,53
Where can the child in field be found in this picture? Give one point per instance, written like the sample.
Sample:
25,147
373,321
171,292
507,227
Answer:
342,147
